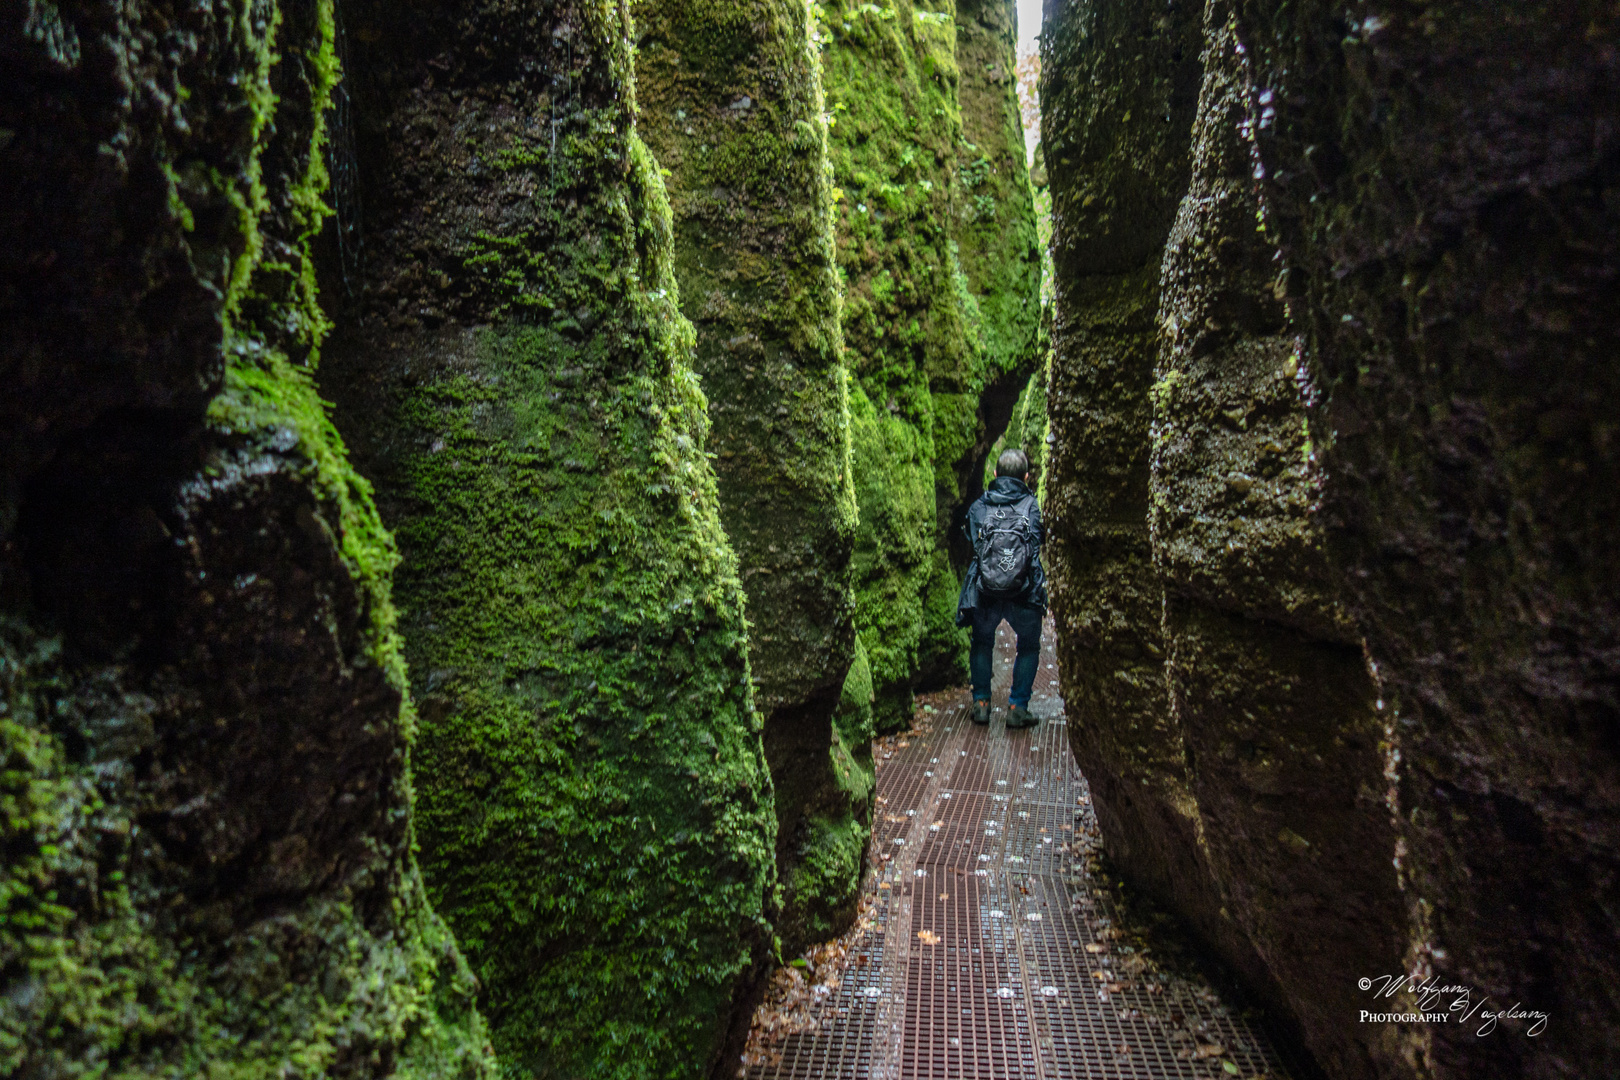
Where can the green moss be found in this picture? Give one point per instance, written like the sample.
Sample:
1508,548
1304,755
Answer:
101,985
595,810
272,313
84,985
891,90
732,107
936,245
943,657
111,967
892,552
1026,429
997,230
821,889
853,720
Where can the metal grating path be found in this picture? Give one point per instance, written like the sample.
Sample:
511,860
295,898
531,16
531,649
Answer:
985,949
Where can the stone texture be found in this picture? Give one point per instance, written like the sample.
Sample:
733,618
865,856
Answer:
515,374
1383,616
1118,96
205,792
995,238
1441,189
1268,686
732,108
940,341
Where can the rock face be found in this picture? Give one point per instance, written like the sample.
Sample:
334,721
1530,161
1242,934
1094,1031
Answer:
514,372
915,190
1115,186
732,109
995,237
1339,631
204,763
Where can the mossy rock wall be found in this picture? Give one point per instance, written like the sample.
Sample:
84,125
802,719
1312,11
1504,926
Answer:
1379,614
995,237
732,108
1028,427
924,363
595,808
204,741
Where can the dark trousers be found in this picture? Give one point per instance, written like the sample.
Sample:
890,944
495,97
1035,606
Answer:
1025,619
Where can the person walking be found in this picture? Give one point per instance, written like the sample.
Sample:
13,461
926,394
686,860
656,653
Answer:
1005,582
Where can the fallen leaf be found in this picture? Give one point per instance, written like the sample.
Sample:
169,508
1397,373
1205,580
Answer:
928,937
1093,947
1209,1050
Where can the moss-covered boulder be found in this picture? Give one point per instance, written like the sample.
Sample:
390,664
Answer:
596,812
731,107
205,797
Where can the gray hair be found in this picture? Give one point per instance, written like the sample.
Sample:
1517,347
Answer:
1012,462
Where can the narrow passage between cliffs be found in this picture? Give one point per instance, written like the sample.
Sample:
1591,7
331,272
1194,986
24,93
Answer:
987,945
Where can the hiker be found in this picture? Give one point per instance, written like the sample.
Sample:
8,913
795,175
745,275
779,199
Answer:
1005,581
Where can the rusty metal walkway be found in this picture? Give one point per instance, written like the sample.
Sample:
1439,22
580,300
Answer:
985,948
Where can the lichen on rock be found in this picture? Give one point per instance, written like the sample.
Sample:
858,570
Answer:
1303,498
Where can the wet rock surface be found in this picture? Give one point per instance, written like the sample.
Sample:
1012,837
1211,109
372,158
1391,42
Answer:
935,225
204,762
1365,616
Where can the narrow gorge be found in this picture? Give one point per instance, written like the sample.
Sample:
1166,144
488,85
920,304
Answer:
476,479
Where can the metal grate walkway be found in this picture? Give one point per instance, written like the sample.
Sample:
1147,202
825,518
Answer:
984,947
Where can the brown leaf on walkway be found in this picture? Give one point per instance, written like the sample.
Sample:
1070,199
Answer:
1209,1050
928,937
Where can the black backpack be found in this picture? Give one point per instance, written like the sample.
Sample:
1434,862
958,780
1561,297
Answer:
1006,549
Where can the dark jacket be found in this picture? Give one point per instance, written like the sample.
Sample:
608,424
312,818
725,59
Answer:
1004,491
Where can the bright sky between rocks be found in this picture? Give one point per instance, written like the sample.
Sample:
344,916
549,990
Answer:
1029,24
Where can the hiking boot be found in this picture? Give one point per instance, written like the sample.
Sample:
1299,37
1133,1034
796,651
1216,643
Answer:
981,713
1019,716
